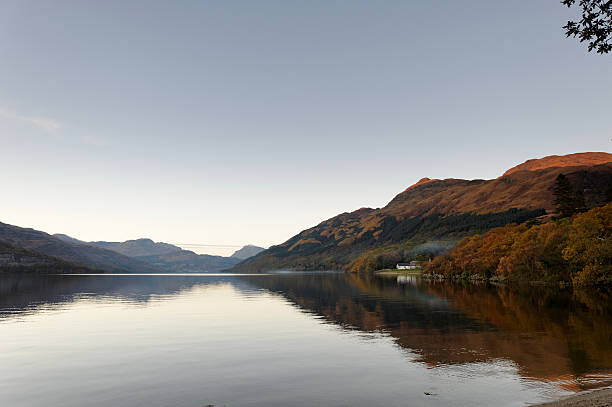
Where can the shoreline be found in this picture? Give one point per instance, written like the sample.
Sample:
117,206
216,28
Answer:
395,272
593,398
496,280
475,280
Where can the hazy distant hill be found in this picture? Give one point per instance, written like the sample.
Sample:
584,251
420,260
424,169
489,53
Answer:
139,247
247,251
130,248
163,255
185,261
433,210
84,254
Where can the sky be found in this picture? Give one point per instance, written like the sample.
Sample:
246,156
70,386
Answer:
236,122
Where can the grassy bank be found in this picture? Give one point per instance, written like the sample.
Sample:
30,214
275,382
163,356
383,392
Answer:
396,272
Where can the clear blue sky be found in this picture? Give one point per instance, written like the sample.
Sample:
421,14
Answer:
234,122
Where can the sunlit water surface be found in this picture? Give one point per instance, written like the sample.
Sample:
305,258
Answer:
294,340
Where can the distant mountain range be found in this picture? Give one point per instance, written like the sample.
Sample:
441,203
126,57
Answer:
68,250
28,249
169,257
435,213
130,248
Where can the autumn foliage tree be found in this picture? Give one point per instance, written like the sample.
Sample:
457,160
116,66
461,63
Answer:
589,247
576,249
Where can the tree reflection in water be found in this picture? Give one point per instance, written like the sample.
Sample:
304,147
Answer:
548,333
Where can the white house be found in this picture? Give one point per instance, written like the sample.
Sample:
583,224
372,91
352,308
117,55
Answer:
413,265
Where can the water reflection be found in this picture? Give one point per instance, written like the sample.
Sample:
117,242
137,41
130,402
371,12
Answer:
27,292
551,334
543,334
407,279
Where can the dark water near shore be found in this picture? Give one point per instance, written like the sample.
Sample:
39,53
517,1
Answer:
295,340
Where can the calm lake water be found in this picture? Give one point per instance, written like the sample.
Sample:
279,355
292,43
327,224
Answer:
292,339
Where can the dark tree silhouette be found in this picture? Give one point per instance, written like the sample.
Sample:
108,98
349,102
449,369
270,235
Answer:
564,196
608,195
595,26
579,203
567,201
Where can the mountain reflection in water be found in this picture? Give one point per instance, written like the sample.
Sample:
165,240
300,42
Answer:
549,335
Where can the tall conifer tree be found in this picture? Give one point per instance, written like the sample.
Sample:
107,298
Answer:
565,199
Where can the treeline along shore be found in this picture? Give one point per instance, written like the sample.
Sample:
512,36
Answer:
575,249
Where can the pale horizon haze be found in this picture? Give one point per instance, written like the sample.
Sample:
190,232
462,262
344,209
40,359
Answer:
241,122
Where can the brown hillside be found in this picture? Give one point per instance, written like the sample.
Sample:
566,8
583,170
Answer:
524,190
434,209
570,160
521,189
420,182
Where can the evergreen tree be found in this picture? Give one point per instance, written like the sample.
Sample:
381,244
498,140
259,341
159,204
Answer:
608,194
579,204
565,199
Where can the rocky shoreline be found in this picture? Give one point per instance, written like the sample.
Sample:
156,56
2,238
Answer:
595,398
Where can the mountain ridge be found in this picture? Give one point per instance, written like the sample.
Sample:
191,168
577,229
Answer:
435,209
86,255
167,256
130,248
568,160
